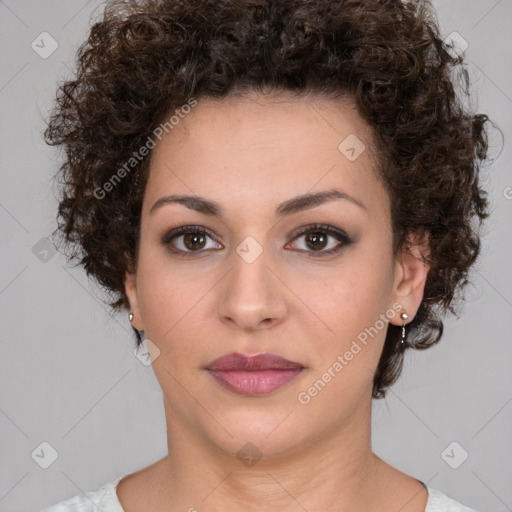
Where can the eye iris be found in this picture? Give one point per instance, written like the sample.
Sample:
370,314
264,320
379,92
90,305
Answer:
193,239
316,238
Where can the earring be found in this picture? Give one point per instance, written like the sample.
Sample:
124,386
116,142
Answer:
403,344
130,316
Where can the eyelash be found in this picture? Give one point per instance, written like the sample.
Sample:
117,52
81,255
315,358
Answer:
325,229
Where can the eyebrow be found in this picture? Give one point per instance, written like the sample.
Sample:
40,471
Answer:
289,207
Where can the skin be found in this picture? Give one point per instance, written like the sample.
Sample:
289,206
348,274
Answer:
249,154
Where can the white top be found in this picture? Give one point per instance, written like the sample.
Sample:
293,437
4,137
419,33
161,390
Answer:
106,500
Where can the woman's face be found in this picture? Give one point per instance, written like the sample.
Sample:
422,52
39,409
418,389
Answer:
253,284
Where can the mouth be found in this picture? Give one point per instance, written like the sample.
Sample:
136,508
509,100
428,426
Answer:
254,375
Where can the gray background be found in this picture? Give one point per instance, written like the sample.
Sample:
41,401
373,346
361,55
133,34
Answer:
68,374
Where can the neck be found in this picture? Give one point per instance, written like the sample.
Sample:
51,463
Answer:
336,471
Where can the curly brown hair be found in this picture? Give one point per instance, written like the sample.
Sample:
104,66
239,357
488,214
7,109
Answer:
145,59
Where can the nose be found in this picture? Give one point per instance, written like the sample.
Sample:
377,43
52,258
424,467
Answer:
253,295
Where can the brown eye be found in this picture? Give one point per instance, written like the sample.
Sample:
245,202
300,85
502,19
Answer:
189,239
194,241
316,239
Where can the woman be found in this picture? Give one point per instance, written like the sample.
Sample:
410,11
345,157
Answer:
281,195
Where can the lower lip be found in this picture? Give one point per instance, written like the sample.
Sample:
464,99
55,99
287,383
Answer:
254,383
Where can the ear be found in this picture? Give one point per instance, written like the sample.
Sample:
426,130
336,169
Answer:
130,287
410,276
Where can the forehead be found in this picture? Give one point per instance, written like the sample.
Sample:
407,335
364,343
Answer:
264,149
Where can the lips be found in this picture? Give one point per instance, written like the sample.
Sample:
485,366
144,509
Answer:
253,375
238,361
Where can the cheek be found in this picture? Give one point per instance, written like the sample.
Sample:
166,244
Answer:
161,299
351,296
174,306
352,306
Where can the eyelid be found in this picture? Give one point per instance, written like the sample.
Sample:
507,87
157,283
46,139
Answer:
182,230
327,229
310,228
339,234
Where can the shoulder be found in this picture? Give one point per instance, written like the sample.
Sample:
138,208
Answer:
440,502
104,499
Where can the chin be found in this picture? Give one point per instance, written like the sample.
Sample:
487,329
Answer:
254,435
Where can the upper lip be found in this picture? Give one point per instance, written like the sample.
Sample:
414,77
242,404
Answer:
267,361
